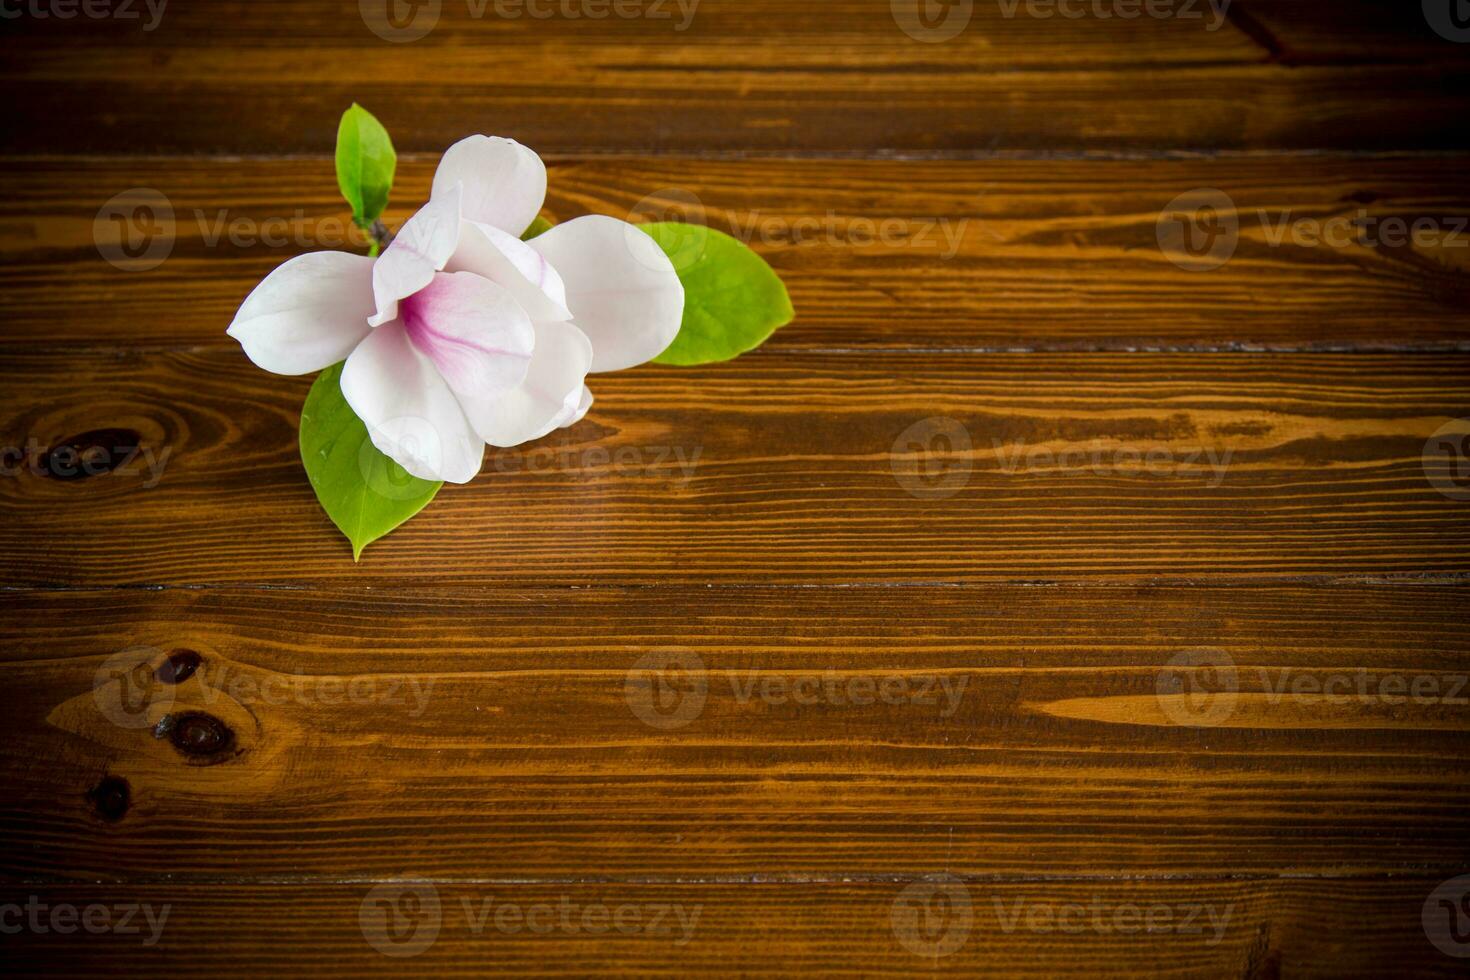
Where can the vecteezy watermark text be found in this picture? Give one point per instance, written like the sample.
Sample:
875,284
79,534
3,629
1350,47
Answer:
64,918
1114,918
668,688
402,919
1212,13
934,458
625,460
933,21
1200,229
89,9
1161,461
136,230
401,21
91,454
137,687
941,235
411,692
934,917
1201,688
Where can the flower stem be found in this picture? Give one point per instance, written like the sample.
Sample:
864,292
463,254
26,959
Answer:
378,237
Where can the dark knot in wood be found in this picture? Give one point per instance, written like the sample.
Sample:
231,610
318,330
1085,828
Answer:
90,454
199,736
110,798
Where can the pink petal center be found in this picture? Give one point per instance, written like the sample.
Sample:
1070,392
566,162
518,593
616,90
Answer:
471,330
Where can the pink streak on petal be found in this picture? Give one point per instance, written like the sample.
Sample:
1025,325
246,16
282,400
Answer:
471,330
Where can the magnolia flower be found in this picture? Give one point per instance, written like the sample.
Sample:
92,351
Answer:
460,334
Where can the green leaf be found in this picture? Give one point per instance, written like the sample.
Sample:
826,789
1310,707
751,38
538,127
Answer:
539,226
365,493
365,164
733,300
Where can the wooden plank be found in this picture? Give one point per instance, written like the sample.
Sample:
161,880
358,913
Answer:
699,36
1259,929
776,467
889,254
744,76
686,733
740,113
869,645
1339,32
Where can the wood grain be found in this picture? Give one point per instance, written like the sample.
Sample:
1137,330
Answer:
1013,571
560,734
746,76
1266,929
1341,32
774,467
907,255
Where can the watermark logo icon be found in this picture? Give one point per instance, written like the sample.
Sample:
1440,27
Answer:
686,245
134,230
414,438
128,690
1198,688
1446,459
932,21
400,21
1450,19
666,689
401,919
1199,229
933,917
931,459
1446,917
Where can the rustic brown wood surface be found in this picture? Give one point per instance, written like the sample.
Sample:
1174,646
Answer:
915,254
1053,596
790,467
840,77
759,928
1024,729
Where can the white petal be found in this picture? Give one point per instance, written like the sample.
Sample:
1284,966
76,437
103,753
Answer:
475,333
309,313
504,259
410,413
421,248
583,404
550,394
621,288
504,183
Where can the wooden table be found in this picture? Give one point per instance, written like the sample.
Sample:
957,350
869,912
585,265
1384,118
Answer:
1077,585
